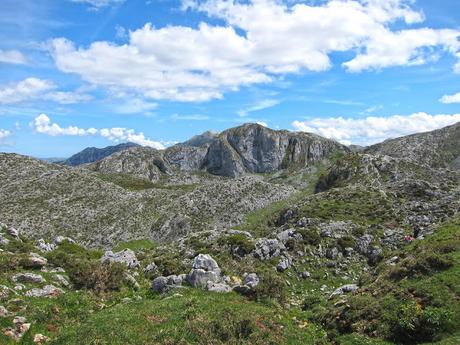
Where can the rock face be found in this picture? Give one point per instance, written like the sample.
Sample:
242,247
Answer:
439,148
126,256
252,148
93,154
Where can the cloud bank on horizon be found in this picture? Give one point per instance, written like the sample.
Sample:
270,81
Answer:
216,63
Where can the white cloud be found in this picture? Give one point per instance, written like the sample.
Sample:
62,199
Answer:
134,106
259,41
24,90
98,4
261,105
31,89
373,129
3,135
12,56
449,99
43,124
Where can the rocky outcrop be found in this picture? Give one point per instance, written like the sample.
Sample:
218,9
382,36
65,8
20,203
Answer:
439,148
126,257
93,154
205,269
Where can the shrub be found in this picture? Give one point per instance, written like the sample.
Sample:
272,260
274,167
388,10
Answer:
346,242
271,286
238,241
310,236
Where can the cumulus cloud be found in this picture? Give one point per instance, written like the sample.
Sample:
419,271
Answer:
31,89
24,90
135,106
449,99
12,57
98,4
43,124
261,105
3,135
373,129
259,41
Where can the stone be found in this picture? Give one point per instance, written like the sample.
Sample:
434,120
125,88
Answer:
60,239
3,311
61,280
150,269
363,243
126,256
332,253
305,275
200,278
218,287
164,284
284,264
48,291
35,261
348,251
206,262
20,328
28,278
251,280
345,289
44,246
40,338
374,255
267,248
12,232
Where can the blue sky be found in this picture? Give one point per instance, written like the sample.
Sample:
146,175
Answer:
78,73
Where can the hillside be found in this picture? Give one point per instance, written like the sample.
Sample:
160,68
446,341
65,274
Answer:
309,243
93,154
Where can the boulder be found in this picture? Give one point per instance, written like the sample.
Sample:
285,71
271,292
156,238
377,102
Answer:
150,269
20,328
47,291
12,232
284,264
41,339
205,269
44,246
60,239
345,289
267,248
61,280
218,287
206,262
251,280
164,284
35,261
28,278
305,275
126,256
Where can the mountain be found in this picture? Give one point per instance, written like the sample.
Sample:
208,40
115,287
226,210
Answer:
93,154
317,243
439,148
247,149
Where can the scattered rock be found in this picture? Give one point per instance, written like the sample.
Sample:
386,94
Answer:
150,269
28,278
61,280
267,248
126,256
218,287
164,284
44,246
251,280
131,281
47,291
305,275
3,311
35,261
40,338
12,232
345,289
284,264
204,269
20,328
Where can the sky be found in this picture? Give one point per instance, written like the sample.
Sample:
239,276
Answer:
79,73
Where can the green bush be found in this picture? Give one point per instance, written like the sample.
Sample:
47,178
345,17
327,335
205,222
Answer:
238,241
346,242
310,236
271,287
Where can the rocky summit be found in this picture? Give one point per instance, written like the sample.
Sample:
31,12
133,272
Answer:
249,236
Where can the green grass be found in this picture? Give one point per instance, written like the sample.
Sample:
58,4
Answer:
192,317
127,181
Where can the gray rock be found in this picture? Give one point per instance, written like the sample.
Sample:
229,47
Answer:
332,253
251,280
44,246
3,311
28,278
131,281
12,232
305,274
61,280
284,264
35,261
47,291
60,239
218,287
363,243
348,251
150,269
345,289
267,248
374,255
200,278
164,284
126,256
205,262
